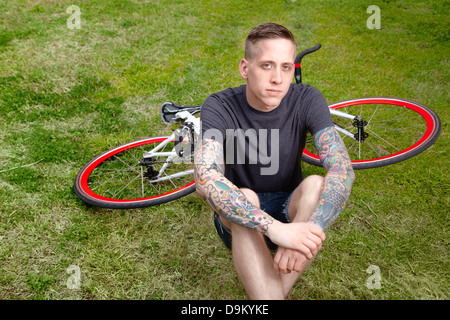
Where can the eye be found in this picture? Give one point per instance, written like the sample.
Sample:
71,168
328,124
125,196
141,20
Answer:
287,67
267,66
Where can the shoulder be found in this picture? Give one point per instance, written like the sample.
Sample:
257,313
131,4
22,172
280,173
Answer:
224,104
220,109
308,105
303,98
303,91
230,95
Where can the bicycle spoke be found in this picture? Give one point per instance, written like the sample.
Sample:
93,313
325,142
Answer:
118,192
105,182
385,140
392,130
170,180
385,134
373,114
126,164
108,179
373,148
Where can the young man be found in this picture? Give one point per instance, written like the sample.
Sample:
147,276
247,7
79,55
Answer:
262,202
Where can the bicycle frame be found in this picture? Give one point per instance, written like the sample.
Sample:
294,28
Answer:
173,156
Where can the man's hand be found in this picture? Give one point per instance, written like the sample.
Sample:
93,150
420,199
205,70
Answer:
287,260
303,237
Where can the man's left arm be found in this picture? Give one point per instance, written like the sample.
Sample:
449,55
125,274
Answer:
335,193
338,180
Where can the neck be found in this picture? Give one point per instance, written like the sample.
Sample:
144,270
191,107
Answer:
258,105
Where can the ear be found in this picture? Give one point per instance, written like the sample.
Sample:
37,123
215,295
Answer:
243,69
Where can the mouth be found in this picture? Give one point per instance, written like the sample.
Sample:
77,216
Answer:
274,92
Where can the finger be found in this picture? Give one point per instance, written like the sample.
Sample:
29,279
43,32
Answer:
311,245
306,251
283,264
298,267
291,264
319,247
276,261
278,255
316,239
317,231
316,250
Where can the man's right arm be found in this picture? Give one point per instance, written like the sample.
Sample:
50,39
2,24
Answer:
223,196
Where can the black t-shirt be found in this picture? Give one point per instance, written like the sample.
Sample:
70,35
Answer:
263,150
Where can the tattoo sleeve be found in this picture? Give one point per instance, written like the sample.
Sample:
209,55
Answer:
338,180
223,196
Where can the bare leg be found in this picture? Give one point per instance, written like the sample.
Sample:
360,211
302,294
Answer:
253,259
303,201
254,265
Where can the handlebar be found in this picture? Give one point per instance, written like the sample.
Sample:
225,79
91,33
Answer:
298,60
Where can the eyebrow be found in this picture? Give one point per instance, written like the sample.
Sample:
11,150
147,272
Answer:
273,62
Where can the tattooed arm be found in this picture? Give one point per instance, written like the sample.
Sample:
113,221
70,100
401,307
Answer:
335,192
338,180
224,197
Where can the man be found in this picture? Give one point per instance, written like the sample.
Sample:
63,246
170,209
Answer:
262,203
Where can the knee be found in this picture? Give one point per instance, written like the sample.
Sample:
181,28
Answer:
305,198
314,183
245,236
313,188
251,196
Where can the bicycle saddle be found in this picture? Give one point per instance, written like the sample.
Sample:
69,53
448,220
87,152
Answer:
170,109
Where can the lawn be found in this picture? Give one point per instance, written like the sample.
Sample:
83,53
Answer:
67,94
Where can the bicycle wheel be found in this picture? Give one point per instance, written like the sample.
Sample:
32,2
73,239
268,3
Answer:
120,178
396,130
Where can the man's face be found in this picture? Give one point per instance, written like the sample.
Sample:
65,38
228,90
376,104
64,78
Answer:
268,73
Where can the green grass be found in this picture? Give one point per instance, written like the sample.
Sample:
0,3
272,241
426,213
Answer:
66,95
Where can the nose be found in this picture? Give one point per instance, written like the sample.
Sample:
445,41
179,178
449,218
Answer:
276,76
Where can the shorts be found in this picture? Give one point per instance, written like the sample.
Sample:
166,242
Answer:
273,203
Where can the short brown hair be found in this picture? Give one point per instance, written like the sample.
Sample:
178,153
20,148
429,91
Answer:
265,31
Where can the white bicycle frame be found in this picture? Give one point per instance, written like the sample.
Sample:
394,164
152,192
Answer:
343,115
173,157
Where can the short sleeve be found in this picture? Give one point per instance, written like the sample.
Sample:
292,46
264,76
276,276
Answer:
212,121
318,114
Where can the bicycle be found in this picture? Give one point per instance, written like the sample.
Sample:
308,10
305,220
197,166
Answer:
377,131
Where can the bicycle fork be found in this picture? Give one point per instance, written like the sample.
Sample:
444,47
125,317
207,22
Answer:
357,122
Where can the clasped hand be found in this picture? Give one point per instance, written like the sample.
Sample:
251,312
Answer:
298,243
